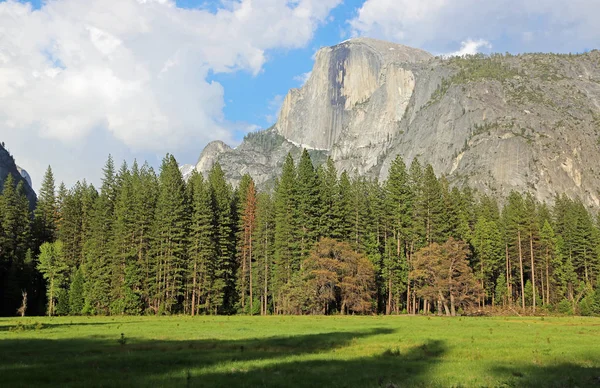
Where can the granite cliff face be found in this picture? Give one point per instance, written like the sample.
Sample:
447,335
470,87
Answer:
529,122
8,166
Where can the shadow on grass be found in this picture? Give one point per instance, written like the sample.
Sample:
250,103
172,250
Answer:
316,360
302,360
559,376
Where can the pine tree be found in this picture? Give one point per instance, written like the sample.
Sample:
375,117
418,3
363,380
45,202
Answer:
548,250
328,184
398,209
76,299
286,258
418,232
123,251
308,205
15,233
53,267
343,207
169,261
532,230
222,199
97,249
46,211
515,230
145,192
263,243
489,254
203,270
245,246
432,207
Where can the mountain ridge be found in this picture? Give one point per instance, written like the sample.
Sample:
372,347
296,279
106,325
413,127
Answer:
528,122
8,166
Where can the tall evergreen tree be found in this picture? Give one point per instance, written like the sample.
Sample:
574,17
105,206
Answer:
398,209
246,252
285,243
169,256
329,197
203,270
263,243
46,211
52,265
222,198
97,250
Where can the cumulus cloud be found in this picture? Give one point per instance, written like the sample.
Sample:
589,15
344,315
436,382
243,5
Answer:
470,47
134,71
510,25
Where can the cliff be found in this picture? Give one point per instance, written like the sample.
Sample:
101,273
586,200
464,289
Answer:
8,166
528,123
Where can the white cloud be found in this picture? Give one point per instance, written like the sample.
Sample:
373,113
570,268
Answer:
470,47
274,106
133,70
511,25
302,78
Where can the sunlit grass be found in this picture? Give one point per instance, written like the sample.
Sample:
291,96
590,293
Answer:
299,351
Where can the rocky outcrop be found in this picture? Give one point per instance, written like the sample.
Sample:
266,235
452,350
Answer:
8,166
261,155
25,175
528,123
357,89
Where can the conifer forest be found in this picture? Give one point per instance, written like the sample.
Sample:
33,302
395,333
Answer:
320,242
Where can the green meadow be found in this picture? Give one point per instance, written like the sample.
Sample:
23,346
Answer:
282,351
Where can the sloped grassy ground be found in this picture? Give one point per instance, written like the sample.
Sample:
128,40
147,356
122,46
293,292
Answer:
299,351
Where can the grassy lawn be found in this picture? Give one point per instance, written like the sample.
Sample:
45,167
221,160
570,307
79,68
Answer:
299,351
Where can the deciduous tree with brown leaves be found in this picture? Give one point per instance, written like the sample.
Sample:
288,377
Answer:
442,275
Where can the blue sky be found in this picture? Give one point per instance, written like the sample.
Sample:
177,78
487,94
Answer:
138,78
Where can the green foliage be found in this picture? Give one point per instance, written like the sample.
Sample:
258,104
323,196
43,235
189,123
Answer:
76,299
565,307
168,258
221,199
52,265
158,245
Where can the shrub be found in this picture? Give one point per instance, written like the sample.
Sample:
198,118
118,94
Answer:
565,307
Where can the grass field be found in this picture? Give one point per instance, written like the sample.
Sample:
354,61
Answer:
299,351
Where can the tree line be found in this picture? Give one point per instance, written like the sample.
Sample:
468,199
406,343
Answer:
320,243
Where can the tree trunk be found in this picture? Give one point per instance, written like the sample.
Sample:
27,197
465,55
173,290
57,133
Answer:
388,307
521,269
408,296
266,274
482,303
547,278
51,301
445,304
452,306
250,272
542,287
585,266
532,269
244,256
194,288
508,296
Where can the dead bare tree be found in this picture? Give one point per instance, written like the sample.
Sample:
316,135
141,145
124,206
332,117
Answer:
23,307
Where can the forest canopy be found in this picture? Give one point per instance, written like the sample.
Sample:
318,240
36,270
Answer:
320,243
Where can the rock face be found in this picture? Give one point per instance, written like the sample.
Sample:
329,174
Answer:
8,166
528,123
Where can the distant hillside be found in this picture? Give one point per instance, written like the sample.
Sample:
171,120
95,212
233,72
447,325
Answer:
8,166
497,123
